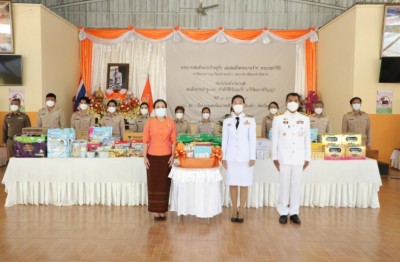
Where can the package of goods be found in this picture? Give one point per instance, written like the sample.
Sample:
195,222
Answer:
204,137
132,135
335,152
317,147
82,134
317,155
109,142
91,154
202,150
263,144
314,134
77,146
59,142
185,138
34,131
355,152
217,141
104,154
117,153
93,145
137,147
30,146
100,134
122,144
351,139
263,154
331,139
270,134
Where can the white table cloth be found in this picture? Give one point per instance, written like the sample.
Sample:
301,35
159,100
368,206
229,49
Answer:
76,181
395,159
196,191
336,183
3,156
122,181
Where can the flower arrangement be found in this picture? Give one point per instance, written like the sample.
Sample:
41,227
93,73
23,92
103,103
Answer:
310,99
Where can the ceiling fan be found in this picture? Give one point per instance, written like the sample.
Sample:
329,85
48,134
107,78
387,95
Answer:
201,10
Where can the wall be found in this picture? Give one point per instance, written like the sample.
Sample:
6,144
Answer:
50,58
348,64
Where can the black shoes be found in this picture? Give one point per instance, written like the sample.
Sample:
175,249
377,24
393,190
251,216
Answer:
237,219
283,219
295,219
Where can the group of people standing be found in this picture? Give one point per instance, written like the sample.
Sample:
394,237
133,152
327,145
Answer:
291,145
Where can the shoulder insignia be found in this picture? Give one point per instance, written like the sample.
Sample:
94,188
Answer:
249,116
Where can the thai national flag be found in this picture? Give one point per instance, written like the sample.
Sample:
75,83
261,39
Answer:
81,92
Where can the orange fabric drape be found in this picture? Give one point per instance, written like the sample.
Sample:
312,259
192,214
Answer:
86,64
199,35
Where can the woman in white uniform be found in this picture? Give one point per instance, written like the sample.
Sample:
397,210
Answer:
239,154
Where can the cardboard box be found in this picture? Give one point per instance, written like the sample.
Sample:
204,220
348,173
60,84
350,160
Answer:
331,139
317,147
335,153
132,135
355,153
351,139
263,144
82,134
34,131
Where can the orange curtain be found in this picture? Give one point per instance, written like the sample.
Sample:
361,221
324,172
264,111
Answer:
199,35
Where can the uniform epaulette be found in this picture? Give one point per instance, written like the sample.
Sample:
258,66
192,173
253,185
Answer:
249,116
279,114
304,114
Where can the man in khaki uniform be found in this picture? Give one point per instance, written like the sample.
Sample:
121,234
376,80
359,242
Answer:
51,116
13,124
319,120
114,120
358,122
83,119
182,126
205,126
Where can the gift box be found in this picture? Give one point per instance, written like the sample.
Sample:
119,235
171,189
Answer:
331,139
82,134
355,152
100,134
34,131
132,135
314,134
30,146
335,152
351,139
93,145
137,147
59,142
263,144
202,150
317,147
122,144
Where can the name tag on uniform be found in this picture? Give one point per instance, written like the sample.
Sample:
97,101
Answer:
20,118
300,122
286,122
351,119
229,124
42,114
312,121
247,123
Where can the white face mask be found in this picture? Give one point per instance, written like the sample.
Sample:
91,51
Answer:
292,106
318,110
161,112
50,103
144,111
273,111
111,109
14,108
83,106
179,115
356,106
238,108
206,116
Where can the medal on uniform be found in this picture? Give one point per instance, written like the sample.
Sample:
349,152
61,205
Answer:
284,134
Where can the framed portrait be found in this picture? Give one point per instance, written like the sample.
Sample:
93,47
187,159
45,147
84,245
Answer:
117,77
6,28
391,31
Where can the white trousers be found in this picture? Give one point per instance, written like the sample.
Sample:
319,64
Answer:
289,189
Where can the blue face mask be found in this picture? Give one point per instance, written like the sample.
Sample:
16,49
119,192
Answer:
161,112
356,106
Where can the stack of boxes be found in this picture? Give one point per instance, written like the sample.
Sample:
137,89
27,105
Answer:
263,148
343,147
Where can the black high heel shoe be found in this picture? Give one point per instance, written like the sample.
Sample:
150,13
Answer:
234,219
239,220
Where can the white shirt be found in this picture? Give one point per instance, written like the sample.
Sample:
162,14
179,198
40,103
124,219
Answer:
239,145
291,142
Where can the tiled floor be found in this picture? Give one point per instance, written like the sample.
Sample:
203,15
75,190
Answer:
97,233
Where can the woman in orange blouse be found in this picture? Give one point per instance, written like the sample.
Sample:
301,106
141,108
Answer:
159,140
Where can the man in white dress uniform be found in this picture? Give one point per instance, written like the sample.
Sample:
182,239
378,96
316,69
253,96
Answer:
291,153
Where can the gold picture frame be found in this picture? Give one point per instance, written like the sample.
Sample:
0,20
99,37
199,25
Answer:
391,31
117,77
6,28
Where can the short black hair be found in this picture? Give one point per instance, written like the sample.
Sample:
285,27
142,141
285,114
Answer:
293,94
51,95
237,96
160,100
204,108
87,100
16,100
180,108
144,104
112,101
318,102
273,103
354,98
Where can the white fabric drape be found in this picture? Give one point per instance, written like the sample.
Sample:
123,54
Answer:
144,58
300,74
